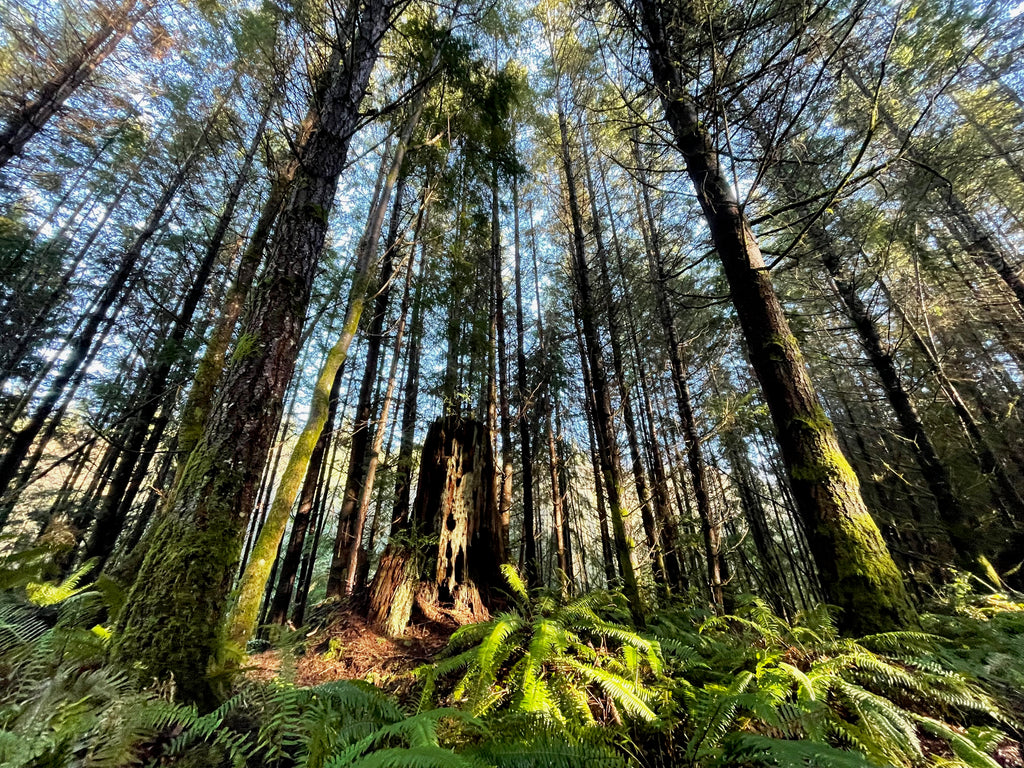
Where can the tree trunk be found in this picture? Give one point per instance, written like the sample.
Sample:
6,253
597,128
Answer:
353,580
170,624
211,366
710,526
524,406
359,445
961,529
504,420
289,568
857,571
647,517
456,493
600,493
52,94
404,465
1007,494
607,446
134,461
394,585
83,340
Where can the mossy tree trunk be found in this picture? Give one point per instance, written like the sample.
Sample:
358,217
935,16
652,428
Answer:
244,615
355,578
289,568
857,572
170,626
211,365
601,504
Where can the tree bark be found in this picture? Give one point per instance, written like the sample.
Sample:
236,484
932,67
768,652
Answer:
857,571
524,406
173,611
456,493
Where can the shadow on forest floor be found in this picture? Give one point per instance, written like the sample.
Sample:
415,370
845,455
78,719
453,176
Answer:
345,647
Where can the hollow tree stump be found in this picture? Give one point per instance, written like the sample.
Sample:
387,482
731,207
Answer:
456,500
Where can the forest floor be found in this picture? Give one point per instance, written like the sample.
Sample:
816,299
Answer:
343,646
339,644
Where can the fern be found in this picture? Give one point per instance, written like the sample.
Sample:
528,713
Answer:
972,752
45,593
871,698
412,757
548,749
749,750
554,659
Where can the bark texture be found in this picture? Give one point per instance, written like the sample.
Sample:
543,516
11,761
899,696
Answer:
856,569
170,625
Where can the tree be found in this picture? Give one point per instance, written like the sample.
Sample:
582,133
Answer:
857,571
175,606
36,112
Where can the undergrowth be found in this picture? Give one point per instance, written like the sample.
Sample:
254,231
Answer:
550,681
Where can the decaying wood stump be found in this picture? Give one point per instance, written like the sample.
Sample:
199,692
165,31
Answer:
456,501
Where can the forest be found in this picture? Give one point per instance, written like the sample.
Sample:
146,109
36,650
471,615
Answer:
601,383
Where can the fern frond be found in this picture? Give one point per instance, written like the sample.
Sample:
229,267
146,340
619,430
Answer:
44,594
754,750
413,757
962,746
545,748
623,692
515,583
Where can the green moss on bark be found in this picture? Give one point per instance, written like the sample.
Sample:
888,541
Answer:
778,347
868,586
170,627
241,624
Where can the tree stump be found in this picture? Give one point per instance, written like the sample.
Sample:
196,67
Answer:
456,500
